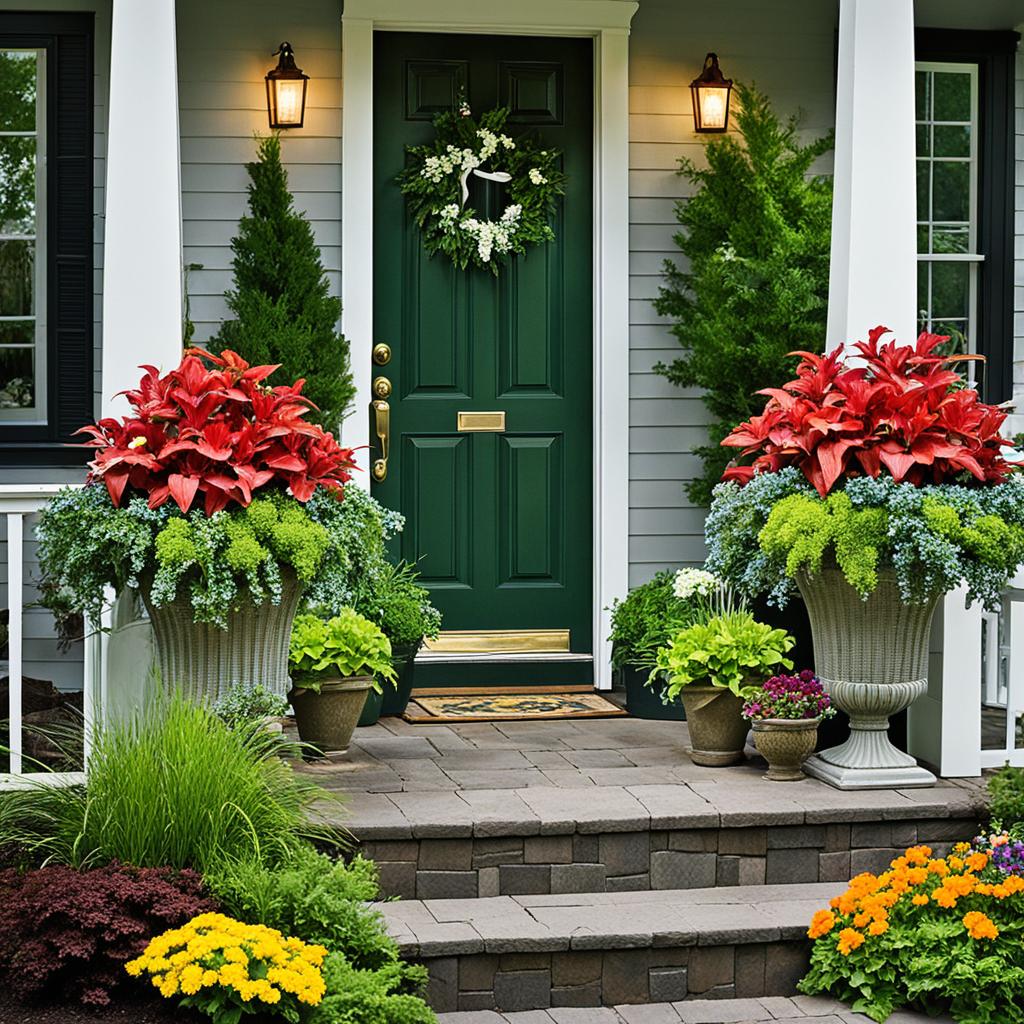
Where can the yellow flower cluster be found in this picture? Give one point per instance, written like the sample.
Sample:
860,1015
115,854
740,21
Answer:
864,909
214,951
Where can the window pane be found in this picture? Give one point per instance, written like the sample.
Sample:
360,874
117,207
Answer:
922,238
17,332
924,145
18,90
947,238
17,377
956,331
923,272
922,80
949,290
952,96
17,185
952,140
17,277
923,170
951,191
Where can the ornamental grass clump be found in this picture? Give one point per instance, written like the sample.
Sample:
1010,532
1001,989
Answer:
943,934
225,968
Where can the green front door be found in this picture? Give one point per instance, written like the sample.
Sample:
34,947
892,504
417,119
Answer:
500,522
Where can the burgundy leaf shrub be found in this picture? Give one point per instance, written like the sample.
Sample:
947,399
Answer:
212,427
65,935
897,409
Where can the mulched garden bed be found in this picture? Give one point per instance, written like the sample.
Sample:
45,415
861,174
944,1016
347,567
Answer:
144,1012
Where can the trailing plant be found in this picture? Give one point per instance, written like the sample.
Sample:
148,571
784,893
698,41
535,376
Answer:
346,645
172,785
943,934
755,236
65,934
246,705
644,620
933,537
1006,796
226,968
793,697
399,605
434,183
217,431
897,409
281,302
727,651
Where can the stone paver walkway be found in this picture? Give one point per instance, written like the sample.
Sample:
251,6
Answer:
484,778
766,1010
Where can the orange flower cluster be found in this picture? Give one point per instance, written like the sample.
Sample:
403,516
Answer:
864,909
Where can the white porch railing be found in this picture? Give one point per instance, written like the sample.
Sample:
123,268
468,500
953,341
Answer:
18,502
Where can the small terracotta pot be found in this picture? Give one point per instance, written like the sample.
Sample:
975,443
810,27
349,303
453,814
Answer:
326,720
718,731
786,743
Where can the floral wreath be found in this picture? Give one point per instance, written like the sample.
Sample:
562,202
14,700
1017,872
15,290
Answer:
436,186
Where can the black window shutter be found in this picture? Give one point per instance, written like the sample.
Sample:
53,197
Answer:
68,39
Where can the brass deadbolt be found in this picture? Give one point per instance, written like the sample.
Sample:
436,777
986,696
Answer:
381,387
382,354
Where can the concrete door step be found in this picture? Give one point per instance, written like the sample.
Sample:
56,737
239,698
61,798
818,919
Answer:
517,953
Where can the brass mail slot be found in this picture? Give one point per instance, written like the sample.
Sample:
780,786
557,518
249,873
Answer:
470,422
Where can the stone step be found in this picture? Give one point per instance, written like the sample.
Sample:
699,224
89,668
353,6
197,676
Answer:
730,829
518,953
769,1010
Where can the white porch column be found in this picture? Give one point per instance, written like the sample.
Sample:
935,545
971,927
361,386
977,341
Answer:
142,276
873,278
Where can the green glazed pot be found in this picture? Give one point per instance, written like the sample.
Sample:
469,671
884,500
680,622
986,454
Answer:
396,698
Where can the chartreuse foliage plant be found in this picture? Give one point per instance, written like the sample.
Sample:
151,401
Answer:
755,236
935,537
732,651
346,645
945,934
172,786
226,969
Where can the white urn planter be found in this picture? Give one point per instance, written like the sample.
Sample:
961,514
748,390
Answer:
872,659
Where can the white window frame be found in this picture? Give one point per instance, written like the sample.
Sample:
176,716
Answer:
972,256
37,414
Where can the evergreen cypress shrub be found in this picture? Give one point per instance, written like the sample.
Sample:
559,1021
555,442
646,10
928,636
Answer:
284,312
755,283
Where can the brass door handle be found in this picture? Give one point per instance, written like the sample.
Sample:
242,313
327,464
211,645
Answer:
382,420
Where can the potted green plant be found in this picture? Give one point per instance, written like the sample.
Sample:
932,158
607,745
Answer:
785,714
874,486
713,666
401,607
335,664
642,622
212,498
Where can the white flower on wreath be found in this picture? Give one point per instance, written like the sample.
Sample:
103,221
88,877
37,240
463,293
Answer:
536,177
491,235
464,109
448,216
695,583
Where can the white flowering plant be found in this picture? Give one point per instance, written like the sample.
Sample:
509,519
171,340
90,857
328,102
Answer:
436,181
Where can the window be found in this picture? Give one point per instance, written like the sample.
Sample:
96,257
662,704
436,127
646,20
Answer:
947,201
22,235
46,236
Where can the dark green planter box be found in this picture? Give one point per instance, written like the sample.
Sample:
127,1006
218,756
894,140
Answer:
397,698
643,701
371,709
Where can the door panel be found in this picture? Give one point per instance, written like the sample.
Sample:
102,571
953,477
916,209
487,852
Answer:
500,522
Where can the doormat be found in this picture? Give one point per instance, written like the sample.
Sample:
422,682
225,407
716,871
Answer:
497,707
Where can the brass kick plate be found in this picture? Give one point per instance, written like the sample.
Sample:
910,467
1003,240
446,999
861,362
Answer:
504,641
479,422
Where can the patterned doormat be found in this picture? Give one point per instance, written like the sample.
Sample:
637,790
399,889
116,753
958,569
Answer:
495,707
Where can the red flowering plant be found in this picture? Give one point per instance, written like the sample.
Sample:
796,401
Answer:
214,430
211,487
886,458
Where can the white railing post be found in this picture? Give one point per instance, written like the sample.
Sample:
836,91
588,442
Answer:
15,603
873,275
142,272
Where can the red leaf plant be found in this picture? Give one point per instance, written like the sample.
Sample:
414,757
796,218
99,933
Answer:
212,427
894,409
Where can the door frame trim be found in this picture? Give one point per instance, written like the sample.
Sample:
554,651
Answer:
607,23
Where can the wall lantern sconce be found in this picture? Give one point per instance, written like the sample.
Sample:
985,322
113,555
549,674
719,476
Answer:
286,90
710,92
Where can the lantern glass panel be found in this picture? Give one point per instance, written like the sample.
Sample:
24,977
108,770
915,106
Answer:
288,96
714,106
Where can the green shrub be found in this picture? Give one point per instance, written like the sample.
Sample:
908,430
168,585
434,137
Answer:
728,651
755,236
172,786
244,705
1006,793
346,645
372,997
400,606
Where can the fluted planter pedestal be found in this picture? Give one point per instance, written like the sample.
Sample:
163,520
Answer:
872,658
